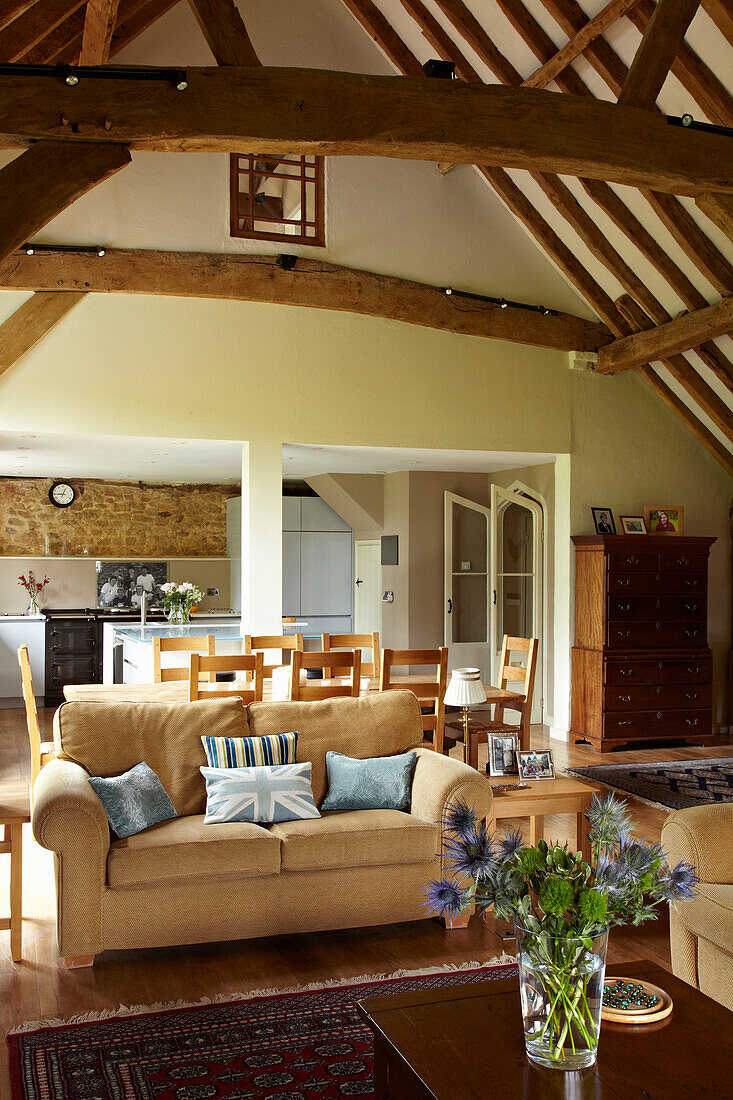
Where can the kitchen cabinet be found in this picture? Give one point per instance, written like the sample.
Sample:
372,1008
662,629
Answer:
16,630
317,565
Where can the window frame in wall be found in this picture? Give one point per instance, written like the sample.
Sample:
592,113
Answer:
305,228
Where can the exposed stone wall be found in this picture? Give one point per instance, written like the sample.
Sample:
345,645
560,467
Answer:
113,519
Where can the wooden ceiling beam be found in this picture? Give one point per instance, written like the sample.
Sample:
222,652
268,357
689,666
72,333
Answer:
11,9
311,283
33,25
571,18
710,442
30,322
719,208
226,35
692,240
682,371
661,42
681,334
44,180
721,14
694,75
715,361
469,28
579,42
64,43
440,41
345,114
381,32
99,24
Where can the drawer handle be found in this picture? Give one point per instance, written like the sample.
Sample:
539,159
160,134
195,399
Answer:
693,671
623,633
626,671
659,691
624,606
659,715
683,561
691,582
633,560
658,626
624,698
692,721
692,606
626,722
692,695
692,633
624,582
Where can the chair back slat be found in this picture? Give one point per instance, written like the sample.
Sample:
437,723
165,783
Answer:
254,643
510,673
355,641
430,693
313,689
31,714
250,664
163,675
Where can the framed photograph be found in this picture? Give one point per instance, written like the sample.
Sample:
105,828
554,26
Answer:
603,519
536,764
665,521
632,525
503,748
122,583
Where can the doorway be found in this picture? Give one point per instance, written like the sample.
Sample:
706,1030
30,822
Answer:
466,585
367,586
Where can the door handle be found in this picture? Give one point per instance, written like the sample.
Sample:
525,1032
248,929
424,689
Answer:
450,607
359,580
493,600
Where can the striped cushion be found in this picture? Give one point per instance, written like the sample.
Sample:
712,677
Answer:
251,752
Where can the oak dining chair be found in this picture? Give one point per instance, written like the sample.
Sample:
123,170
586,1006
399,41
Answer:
430,691
342,664
480,727
248,686
41,751
355,641
262,643
163,675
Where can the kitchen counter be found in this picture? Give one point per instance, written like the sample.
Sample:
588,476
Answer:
228,631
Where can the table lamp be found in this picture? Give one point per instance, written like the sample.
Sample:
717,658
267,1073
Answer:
465,690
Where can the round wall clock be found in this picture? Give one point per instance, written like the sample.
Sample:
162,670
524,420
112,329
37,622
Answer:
61,494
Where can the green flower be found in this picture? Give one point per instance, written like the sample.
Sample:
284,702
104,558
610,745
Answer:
532,859
556,895
592,908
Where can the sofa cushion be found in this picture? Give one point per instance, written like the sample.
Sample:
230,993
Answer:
133,801
109,738
356,838
278,793
378,724
710,914
185,848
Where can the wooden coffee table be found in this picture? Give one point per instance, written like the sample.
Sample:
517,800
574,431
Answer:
541,797
466,1043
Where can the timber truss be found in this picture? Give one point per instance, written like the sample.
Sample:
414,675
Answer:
540,124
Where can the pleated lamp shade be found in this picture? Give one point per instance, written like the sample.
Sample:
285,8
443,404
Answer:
465,688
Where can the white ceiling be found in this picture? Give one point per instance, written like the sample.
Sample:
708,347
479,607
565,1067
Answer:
133,458
307,461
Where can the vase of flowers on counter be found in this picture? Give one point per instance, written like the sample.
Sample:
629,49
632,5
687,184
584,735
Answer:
34,589
562,907
179,599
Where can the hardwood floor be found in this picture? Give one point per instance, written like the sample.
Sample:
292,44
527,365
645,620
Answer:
38,987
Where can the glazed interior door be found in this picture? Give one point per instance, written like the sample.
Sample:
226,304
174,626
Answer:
516,575
466,614
367,587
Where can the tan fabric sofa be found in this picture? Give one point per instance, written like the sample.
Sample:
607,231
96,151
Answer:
184,882
701,930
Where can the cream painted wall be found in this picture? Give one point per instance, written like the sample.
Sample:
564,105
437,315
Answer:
396,578
74,581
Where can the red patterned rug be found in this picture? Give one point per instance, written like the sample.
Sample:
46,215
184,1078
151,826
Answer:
293,1045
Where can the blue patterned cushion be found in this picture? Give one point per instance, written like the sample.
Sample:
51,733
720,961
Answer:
250,752
269,794
379,783
134,800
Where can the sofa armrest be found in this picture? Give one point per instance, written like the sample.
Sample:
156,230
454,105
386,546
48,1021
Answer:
697,835
69,819
439,780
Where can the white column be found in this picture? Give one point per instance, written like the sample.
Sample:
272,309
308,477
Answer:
262,538
563,600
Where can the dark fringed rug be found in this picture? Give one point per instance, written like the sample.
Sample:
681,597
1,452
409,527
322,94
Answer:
294,1045
673,785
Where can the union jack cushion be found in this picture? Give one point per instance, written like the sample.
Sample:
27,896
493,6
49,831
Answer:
271,794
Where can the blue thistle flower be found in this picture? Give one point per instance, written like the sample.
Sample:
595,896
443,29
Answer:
443,898
459,818
639,859
608,820
679,882
510,844
471,853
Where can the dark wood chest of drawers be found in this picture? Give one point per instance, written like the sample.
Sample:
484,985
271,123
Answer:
642,670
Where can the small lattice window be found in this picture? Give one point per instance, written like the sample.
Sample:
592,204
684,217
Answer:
278,198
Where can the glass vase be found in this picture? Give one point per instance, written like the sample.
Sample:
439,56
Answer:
33,606
561,989
178,614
